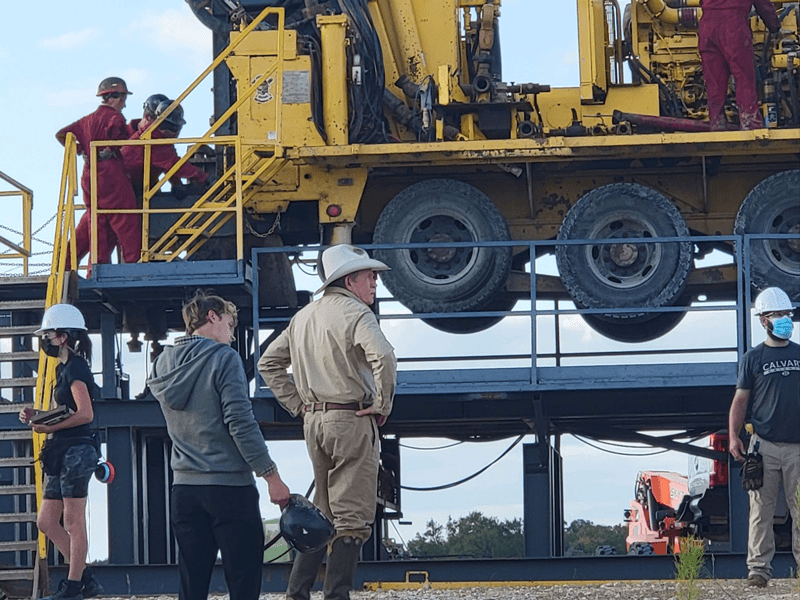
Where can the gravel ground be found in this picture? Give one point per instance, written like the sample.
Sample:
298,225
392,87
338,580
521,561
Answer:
733,589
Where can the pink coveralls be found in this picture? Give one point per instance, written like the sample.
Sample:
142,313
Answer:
726,48
113,189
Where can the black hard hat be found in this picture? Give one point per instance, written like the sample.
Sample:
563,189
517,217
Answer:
151,104
174,119
304,526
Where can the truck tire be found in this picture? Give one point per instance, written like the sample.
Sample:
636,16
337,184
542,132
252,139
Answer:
645,331
445,280
605,551
627,274
641,549
773,206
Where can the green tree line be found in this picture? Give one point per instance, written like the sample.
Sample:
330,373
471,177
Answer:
480,536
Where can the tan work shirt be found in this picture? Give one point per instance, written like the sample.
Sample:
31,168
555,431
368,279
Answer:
338,353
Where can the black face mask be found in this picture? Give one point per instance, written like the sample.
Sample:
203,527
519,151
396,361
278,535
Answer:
49,348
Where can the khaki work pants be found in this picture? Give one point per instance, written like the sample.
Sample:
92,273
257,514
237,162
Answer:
781,466
344,450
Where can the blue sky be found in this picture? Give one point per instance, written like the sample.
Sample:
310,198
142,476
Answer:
52,59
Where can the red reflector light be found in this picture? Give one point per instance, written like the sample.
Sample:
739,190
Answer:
333,210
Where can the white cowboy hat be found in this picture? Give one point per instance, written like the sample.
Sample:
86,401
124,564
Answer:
343,259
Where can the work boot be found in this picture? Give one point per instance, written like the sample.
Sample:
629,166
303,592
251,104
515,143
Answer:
757,580
91,587
304,574
67,590
341,569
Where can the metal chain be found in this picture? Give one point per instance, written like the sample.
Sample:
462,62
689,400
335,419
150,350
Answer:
33,235
272,229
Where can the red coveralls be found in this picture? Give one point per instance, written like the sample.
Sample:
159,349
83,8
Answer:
113,189
162,159
726,47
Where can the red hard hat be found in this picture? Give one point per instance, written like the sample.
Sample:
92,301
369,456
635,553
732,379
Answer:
112,85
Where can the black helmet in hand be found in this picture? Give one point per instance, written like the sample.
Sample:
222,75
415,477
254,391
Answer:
304,526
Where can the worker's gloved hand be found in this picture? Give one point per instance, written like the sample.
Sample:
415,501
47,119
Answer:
752,472
105,154
179,191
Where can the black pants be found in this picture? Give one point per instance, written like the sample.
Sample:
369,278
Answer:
211,518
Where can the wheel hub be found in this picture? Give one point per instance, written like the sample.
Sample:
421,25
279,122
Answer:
794,245
624,255
442,266
441,255
625,264
785,254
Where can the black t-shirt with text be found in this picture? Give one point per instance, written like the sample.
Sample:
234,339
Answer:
773,377
75,369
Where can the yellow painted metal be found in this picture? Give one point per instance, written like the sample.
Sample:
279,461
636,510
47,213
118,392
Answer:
408,42
420,580
592,44
662,12
333,33
18,251
57,292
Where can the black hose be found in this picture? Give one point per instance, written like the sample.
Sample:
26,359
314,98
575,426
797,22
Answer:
200,8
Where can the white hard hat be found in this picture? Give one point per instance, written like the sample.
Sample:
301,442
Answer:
61,316
343,259
771,300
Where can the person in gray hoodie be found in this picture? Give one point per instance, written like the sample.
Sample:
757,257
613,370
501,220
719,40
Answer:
217,445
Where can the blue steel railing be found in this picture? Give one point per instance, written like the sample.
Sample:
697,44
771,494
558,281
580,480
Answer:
537,376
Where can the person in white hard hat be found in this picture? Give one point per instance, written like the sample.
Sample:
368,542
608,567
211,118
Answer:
342,383
70,454
769,385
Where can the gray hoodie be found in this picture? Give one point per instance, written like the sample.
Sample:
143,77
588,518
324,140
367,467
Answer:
201,387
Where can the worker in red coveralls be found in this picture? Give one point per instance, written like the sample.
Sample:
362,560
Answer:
148,112
162,157
726,48
114,189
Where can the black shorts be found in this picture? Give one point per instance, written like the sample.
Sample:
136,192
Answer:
77,468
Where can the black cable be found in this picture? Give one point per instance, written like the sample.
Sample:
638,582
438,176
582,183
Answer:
465,479
436,448
580,439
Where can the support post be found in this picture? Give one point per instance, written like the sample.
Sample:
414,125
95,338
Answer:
738,509
542,500
123,514
107,334
333,31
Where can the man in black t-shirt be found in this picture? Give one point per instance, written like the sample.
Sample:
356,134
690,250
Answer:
769,384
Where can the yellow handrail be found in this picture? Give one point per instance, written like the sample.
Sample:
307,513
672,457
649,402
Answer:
57,288
19,251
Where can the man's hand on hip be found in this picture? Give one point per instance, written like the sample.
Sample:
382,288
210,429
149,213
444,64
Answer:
278,491
379,418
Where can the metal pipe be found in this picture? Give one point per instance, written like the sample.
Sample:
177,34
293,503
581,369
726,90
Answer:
683,3
688,17
662,123
333,31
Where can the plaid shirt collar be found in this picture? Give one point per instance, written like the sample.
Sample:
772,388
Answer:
188,339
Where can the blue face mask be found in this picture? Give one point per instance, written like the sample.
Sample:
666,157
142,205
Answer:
781,328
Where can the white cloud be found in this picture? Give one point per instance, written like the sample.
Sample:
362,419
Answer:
135,76
177,30
70,98
70,40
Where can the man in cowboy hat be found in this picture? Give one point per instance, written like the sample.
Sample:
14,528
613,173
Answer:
342,383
